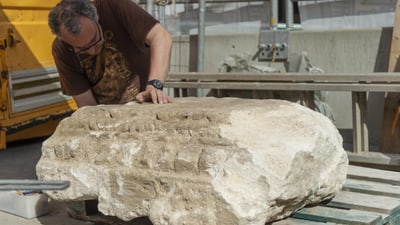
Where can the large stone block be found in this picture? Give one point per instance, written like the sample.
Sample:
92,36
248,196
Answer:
197,160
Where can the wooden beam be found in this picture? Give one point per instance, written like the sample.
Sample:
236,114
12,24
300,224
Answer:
285,86
378,77
144,2
378,160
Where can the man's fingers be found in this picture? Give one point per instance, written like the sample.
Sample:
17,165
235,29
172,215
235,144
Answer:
139,98
156,96
142,97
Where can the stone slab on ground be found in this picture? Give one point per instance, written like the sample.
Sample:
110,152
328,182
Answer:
197,160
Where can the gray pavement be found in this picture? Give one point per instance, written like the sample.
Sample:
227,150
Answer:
18,161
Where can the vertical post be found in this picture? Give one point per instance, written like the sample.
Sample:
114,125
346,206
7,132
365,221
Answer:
149,6
310,100
390,142
395,45
201,34
161,14
360,128
289,14
201,37
274,15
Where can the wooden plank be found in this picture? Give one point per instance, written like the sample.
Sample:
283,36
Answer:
287,86
362,201
144,2
390,142
369,174
293,221
366,202
376,159
369,187
326,214
378,77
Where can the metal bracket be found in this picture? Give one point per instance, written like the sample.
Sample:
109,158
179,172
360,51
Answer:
12,41
273,45
4,74
3,44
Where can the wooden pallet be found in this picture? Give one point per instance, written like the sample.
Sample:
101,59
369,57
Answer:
369,197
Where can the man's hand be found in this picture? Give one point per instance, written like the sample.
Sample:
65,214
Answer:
153,94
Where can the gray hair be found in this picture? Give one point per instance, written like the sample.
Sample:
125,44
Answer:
66,13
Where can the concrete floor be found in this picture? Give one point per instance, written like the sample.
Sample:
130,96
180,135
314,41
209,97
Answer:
18,161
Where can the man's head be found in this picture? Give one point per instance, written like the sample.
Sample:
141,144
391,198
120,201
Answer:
76,23
66,15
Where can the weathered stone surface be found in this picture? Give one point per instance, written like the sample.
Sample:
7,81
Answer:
197,161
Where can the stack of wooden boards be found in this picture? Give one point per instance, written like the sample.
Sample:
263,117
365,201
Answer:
369,197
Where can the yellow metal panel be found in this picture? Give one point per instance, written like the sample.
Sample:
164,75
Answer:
41,130
28,23
33,49
44,128
27,4
39,114
25,44
42,112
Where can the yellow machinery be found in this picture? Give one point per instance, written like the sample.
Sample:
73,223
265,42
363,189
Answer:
31,103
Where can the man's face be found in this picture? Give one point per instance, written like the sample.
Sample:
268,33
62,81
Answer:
89,41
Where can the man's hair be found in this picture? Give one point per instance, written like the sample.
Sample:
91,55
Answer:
66,14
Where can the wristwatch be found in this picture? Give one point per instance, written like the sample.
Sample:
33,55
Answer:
156,83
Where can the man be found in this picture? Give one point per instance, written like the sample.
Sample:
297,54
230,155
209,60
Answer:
109,52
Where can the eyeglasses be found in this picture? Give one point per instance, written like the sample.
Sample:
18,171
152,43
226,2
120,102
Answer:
95,43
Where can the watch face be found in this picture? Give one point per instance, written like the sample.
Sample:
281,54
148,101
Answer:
156,83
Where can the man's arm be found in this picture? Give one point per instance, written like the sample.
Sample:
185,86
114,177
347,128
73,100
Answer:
160,43
84,99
